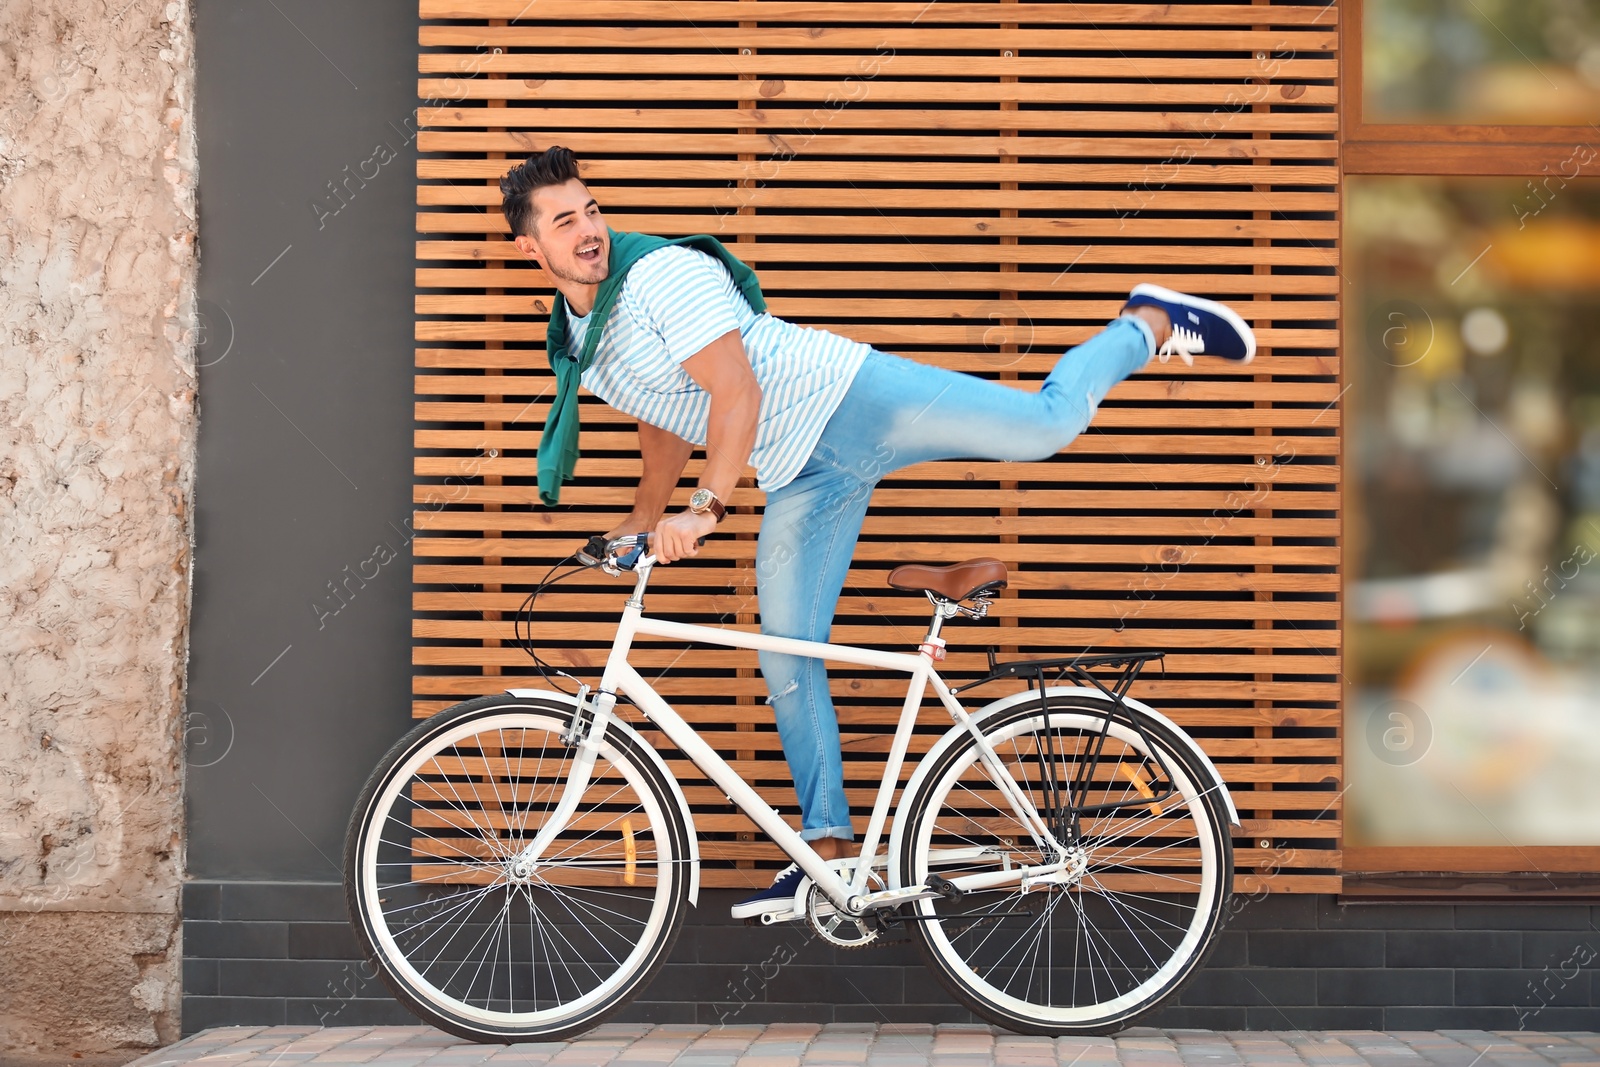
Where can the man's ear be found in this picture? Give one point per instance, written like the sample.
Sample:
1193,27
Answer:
526,246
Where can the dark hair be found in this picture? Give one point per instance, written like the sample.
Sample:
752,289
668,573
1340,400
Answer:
554,166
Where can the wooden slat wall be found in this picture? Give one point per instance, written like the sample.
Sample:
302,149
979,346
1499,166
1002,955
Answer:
971,184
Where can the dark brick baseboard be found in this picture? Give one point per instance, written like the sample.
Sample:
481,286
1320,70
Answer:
268,953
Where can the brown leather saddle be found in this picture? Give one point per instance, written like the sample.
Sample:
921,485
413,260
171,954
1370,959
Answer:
958,581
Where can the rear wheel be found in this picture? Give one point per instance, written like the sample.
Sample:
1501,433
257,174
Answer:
463,934
1133,915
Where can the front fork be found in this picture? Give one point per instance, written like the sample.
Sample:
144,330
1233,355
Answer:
585,734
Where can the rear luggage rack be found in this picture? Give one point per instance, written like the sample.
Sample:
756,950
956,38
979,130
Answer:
1080,667
1067,799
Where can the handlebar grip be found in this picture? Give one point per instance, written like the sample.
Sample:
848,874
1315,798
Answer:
648,537
699,542
629,559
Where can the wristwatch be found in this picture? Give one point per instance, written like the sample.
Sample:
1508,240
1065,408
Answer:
704,500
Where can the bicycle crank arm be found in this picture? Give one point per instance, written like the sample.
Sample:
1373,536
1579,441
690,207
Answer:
889,898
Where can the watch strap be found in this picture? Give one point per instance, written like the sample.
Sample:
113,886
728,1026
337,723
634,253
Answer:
715,506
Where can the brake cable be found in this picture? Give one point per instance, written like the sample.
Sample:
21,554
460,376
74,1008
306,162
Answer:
589,556
526,612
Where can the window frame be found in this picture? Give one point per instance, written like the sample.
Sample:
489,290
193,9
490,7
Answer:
1451,149
1444,150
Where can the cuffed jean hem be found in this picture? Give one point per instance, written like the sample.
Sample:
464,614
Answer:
844,833
1144,328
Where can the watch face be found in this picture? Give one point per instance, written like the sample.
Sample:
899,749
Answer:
700,499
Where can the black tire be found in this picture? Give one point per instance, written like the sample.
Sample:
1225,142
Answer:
463,941
1098,950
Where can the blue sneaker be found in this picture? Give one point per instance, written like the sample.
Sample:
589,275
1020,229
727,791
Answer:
779,896
1198,325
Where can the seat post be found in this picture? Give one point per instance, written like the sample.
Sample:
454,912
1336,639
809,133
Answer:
933,645
942,610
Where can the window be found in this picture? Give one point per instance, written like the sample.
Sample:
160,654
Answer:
1472,345
1533,62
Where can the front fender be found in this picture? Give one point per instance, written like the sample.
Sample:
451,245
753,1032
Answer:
958,731
660,764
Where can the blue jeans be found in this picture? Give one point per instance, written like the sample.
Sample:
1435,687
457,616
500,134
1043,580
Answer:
896,413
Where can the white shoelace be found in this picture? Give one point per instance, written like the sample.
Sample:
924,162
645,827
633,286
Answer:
1183,343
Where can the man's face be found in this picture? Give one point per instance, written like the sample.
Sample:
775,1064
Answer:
569,234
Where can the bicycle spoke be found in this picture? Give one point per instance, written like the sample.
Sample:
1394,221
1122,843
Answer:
487,835
560,899
1119,899
1085,928
1111,899
469,901
486,931
596,909
412,832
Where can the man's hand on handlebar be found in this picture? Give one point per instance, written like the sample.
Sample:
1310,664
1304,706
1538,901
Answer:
678,536
635,523
614,553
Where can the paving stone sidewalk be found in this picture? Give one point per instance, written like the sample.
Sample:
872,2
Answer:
870,1045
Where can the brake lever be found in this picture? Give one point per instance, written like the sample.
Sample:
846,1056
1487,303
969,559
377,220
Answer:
593,553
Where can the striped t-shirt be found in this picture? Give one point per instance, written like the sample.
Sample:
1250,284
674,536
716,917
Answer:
675,301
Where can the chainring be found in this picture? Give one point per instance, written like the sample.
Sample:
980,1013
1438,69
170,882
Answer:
838,930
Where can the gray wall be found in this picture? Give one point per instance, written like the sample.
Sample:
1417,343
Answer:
305,432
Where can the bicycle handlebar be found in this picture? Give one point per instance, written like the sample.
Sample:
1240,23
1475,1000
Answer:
617,554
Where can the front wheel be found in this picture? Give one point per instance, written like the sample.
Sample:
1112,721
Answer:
1138,894
471,939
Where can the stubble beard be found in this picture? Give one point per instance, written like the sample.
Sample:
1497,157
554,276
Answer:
577,275
599,273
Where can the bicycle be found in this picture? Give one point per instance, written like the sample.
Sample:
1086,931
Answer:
518,865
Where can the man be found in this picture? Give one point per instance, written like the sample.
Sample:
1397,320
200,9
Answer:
685,347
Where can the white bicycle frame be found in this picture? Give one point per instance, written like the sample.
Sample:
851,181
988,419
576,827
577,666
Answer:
620,678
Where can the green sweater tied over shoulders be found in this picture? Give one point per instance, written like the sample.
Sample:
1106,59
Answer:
558,446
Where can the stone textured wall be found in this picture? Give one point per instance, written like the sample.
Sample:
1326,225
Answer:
97,437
